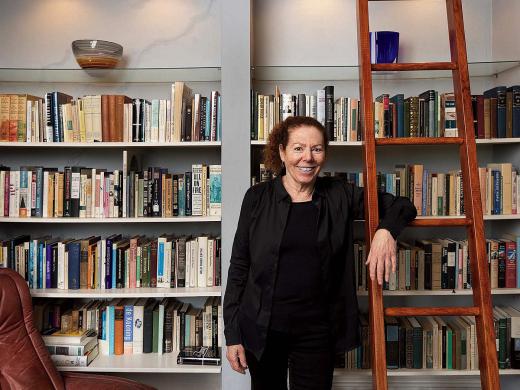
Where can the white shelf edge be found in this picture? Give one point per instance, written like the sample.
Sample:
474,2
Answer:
104,145
117,75
109,220
510,217
129,292
145,363
492,141
419,372
465,292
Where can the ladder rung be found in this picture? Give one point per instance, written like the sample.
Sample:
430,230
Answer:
440,222
414,66
419,141
432,311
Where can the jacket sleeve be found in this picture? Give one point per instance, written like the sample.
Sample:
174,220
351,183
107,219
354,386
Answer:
395,212
238,273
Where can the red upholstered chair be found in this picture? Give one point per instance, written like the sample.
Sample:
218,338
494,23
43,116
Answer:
24,360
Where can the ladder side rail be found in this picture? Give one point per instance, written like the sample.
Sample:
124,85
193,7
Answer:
376,316
472,200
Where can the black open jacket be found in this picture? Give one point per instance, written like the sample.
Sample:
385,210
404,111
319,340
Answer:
255,254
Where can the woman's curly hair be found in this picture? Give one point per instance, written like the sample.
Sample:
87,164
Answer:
280,135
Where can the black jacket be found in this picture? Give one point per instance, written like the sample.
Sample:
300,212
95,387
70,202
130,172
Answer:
254,257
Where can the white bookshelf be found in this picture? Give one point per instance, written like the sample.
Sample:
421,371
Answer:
110,220
457,292
142,363
109,145
419,372
117,75
180,292
350,72
479,141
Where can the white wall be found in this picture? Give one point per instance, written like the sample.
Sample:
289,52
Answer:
308,32
153,33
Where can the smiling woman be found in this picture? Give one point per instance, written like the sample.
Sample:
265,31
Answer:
290,301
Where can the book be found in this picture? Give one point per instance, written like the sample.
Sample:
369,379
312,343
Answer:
57,337
75,361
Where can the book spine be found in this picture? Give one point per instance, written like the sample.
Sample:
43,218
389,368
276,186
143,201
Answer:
329,111
128,330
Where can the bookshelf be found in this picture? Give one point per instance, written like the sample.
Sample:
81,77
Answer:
177,156
110,145
146,363
350,72
144,292
140,220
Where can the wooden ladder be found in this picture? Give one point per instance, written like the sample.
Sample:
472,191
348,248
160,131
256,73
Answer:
482,308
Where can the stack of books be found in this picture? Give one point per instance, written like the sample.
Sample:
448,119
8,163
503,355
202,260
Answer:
71,349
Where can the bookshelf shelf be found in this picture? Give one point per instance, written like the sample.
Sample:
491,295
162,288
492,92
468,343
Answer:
181,292
509,217
110,220
146,362
493,141
118,75
109,145
495,291
420,372
351,72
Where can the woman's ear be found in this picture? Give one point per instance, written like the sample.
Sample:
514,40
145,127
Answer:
282,152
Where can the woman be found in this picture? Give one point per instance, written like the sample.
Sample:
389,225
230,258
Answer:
290,299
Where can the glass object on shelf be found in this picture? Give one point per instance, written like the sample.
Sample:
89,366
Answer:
384,47
96,54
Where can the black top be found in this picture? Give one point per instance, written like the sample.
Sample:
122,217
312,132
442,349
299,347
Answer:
297,296
256,253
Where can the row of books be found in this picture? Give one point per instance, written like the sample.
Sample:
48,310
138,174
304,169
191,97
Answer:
131,326
444,264
430,114
98,193
439,193
58,117
440,343
114,262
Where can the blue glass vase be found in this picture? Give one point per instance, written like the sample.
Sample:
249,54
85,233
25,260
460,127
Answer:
384,47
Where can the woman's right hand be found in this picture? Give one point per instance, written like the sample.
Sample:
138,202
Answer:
236,356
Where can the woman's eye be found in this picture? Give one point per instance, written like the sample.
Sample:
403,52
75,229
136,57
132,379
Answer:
317,150
298,148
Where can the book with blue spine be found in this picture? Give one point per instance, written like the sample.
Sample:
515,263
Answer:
215,190
111,329
128,328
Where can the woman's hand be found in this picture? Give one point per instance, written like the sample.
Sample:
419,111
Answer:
236,356
381,256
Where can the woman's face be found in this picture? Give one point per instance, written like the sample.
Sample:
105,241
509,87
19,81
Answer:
304,155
